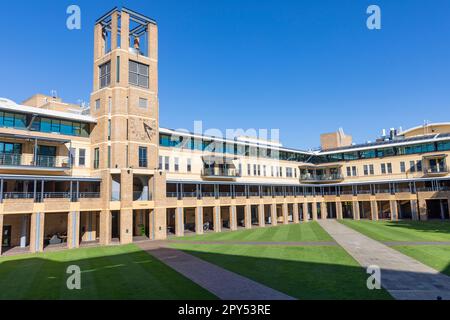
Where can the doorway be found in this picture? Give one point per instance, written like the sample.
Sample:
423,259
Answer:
6,242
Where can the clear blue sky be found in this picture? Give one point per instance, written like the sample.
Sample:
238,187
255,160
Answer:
305,67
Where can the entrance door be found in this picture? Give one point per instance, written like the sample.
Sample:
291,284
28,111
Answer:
115,225
6,242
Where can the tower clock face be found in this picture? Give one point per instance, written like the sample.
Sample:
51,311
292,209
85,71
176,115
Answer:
143,130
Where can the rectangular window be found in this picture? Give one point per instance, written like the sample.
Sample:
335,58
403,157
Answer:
118,69
189,165
138,74
109,130
109,157
412,166
240,169
97,104
143,103
109,105
105,75
265,171
389,167
419,165
249,170
383,168
354,171
349,172
259,170
254,170
366,170
82,157
402,167
167,163
143,163
177,164
96,158
372,171
160,163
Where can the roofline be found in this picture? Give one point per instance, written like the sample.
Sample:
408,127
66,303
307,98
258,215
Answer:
426,125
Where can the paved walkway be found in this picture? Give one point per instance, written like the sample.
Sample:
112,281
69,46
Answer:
260,243
222,283
403,277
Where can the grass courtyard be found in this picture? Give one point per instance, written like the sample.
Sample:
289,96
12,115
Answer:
306,232
120,272
436,256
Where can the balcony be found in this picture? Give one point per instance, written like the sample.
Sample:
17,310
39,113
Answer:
29,161
220,173
436,170
38,197
314,178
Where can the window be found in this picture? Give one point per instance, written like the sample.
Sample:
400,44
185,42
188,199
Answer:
349,172
96,158
105,75
189,165
354,171
109,105
265,171
138,74
366,170
371,169
97,104
240,169
82,157
109,130
143,163
255,170
259,170
160,163
177,164
389,167
72,155
143,103
118,69
109,157
412,166
419,165
383,168
402,167
249,170
167,163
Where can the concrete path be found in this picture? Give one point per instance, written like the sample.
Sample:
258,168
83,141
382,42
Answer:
259,243
403,277
222,283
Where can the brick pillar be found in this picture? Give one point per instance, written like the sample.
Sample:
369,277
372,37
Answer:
105,227
1,232
285,213
37,232
324,210
159,220
314,211
248,216
296,214
126,226
73,230
356,214
374,210
179,222
261,215
217,220
233,218
394,210
305,212
339,210
199,220
415,210
273,214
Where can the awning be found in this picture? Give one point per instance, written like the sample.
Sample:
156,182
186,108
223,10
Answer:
33,138
435,156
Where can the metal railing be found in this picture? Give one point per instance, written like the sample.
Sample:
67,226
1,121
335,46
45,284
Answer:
220,172
141,196
323,177
435,169
18,195
88,195
7,159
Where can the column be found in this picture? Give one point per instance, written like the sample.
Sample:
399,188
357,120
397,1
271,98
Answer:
305,212
217,220
414,210
273,214
73,230
314,211
105,227
233,218
374,210
339,210
179,222
394,210
324,210
356,214
248,216
261,215
1,232
296,215
285,213
126,226
37,232
199,220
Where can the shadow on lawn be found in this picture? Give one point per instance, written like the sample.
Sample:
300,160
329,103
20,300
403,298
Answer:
437,226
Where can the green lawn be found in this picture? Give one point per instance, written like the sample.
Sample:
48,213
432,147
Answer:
437,257
305,232
121,272
322,272
402,230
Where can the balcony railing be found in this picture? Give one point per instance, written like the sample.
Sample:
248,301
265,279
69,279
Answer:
13,159
220,172
38,196
321,178
438,169
141,196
